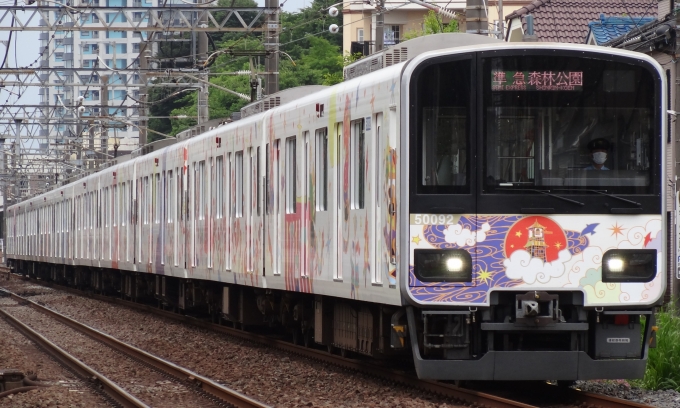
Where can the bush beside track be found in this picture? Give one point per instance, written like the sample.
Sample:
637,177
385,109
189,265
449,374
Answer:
663,365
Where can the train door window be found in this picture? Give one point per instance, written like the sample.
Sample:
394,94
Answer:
201,190
229,205
123,210
106,207
337,273
257,180
248,183
357,164
219,187
238,179
211,212
178,209
169,197
321,169
265,187
115,205
377,245
290,176
145,197
158,189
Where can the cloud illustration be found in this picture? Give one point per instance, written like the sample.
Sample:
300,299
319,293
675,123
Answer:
457,234
521,265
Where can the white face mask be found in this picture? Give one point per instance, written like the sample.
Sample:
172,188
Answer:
599,157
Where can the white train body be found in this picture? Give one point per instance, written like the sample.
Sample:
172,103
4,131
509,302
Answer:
314,200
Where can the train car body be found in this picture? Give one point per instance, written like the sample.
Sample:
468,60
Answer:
448,206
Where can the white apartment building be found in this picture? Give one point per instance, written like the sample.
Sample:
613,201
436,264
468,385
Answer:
117,50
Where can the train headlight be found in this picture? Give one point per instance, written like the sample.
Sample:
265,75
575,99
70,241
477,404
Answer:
443,265
629,265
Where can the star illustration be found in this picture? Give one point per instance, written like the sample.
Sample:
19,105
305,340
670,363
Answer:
558,245
415,239
484,276
617,229
518,233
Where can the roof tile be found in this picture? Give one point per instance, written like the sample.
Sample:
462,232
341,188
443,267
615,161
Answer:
567,20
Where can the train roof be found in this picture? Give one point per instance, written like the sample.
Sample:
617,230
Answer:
404,51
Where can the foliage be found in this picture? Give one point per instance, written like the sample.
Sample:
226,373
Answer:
312,57
433,24
663,362
350,58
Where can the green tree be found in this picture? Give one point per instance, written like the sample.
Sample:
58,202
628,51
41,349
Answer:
433,24
310,56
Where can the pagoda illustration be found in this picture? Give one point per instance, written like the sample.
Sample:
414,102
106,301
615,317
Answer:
536,243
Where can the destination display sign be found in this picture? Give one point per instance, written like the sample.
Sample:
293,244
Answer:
536,80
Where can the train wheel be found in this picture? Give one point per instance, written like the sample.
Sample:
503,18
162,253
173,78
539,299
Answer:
297,336
308,338
330,348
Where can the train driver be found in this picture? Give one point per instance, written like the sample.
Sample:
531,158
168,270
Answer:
598,154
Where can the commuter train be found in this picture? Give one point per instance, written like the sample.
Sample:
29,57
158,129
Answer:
450,200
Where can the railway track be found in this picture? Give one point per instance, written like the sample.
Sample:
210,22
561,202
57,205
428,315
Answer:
566,397
205,387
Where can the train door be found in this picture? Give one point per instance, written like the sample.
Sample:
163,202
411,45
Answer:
378,173
229,208
249,182
305,212
273,162
337,208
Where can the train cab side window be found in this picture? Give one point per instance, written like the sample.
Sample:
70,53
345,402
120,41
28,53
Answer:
321,164
442,129
291,167
238,175
357,164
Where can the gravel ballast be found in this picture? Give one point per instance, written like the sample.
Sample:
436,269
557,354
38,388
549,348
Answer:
267,375
66,390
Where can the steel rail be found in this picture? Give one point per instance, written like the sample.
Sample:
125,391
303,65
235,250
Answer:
85,372
443,389
219,391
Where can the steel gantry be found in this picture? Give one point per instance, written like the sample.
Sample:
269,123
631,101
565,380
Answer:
41,143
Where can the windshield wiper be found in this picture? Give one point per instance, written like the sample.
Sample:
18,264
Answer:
604,193
544,192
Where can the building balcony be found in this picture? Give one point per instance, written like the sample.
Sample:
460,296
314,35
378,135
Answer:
361,47
44,36
68,41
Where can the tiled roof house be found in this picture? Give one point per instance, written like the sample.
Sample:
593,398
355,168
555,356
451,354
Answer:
567,21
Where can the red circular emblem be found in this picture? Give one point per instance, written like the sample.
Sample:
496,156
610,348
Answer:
540,236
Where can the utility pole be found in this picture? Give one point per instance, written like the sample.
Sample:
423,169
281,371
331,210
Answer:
271,46
476,18
501,20
90,127
105,114
201,56
380,26
143,90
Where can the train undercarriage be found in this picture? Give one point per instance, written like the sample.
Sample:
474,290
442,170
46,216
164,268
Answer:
520,336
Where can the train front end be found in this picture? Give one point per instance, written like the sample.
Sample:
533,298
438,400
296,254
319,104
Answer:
536,222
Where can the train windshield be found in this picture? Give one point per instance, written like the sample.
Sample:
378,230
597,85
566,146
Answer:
567,125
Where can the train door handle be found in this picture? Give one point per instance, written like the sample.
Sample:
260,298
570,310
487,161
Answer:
391,209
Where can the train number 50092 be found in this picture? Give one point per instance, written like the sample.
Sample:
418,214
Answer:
432,219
